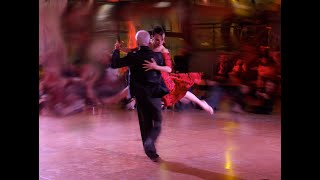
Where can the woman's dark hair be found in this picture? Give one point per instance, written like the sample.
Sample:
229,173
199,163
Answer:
158,30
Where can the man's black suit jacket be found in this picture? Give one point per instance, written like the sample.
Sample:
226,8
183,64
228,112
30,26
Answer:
141,81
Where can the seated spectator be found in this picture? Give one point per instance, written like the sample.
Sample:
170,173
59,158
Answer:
223,68
267,70
265,98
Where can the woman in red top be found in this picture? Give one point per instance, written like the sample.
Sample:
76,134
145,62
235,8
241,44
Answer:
177,83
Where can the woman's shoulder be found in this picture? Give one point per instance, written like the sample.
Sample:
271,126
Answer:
165,50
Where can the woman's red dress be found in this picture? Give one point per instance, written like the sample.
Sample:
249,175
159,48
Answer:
177,83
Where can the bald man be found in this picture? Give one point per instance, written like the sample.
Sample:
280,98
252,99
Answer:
147,87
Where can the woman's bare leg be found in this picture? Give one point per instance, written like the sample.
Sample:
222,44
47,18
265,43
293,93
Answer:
203,104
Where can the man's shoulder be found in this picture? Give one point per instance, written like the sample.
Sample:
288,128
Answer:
134,49
132,53
143,52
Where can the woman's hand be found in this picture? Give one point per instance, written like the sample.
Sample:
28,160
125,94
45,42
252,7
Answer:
154,66
117,45
150,65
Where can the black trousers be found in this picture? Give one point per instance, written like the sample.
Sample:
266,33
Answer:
150,118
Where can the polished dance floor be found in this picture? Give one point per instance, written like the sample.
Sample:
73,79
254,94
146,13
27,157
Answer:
105,144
